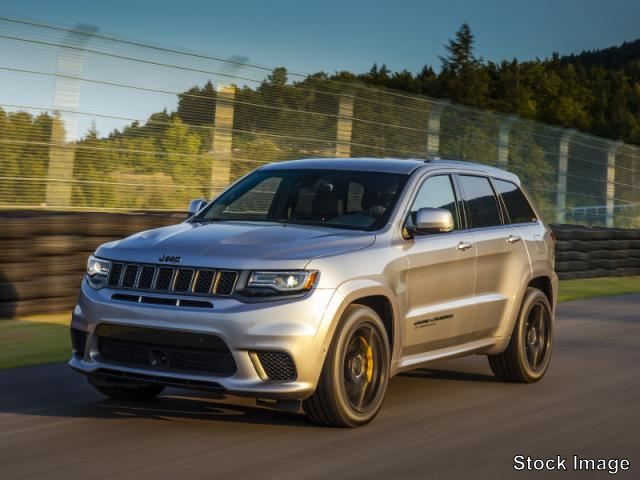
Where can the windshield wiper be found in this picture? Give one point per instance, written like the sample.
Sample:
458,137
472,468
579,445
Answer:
233,219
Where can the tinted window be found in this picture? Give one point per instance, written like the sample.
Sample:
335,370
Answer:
436,192
340,199
482,203
518,207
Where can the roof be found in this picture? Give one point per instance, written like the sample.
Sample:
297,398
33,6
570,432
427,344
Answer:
387,165
382,165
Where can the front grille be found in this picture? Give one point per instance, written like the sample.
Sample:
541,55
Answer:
165,275
114,274
146,277
165,350
129,277
183,280
225,282
204,281
78,342
172,280
278,366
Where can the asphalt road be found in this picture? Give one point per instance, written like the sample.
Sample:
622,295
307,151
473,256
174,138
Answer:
452,420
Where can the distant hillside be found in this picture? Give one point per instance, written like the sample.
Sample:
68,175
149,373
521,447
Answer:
595,92
623,57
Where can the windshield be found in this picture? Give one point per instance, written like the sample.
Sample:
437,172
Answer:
340,199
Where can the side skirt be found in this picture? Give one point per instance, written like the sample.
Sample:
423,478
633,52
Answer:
410,362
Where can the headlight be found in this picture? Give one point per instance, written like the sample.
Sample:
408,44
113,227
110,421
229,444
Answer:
294,281
97,266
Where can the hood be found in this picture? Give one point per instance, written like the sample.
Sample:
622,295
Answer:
236,245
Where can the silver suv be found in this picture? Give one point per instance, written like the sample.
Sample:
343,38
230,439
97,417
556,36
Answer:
313,282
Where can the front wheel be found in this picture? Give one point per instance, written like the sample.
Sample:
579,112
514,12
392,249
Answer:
355,374
527,356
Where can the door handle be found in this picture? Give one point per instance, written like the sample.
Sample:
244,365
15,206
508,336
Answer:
513,238
464,246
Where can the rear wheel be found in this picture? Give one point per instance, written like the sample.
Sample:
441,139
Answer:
527,356
355,374
136,393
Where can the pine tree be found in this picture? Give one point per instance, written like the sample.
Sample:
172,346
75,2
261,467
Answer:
463,78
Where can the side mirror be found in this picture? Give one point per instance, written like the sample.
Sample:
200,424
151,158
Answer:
431,220
195,206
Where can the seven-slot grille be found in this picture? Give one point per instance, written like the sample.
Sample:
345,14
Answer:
172,279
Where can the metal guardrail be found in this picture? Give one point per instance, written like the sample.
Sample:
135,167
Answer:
65,89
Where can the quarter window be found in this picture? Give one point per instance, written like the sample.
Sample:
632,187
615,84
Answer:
481,202
516,203
436,192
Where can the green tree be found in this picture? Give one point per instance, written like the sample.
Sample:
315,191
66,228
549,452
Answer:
462,78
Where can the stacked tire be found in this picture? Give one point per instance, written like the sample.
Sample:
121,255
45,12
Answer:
44,254
584,252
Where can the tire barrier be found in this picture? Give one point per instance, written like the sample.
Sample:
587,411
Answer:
43,254
586,252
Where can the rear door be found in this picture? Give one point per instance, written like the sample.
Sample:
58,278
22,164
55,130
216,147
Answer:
503,261
441,275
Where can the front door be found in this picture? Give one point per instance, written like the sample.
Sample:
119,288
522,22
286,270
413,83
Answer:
441,276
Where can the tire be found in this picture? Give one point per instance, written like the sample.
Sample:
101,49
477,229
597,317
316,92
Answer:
570,255
564,234
563,245
573,275
571,266
604,263
138,393
515,363
353,372
581,245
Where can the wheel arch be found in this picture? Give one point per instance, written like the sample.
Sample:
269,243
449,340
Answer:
381,299
543,281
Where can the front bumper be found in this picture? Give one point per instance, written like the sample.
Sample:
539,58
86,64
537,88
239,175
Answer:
300,327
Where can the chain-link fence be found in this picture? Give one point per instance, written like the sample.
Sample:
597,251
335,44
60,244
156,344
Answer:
63,91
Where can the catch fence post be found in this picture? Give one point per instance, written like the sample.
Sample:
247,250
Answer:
433,127
222,144
345,126
563,166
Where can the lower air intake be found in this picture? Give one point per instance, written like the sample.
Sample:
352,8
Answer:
166,350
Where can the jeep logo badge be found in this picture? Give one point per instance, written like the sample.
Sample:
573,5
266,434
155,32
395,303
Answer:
169,259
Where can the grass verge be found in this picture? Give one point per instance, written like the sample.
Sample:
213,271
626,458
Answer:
597,287
45,338
34,340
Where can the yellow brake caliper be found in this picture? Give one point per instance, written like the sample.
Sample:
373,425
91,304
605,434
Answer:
368,352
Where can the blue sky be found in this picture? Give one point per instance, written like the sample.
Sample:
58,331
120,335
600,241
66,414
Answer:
330,35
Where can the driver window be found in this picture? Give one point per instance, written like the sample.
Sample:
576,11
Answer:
436,192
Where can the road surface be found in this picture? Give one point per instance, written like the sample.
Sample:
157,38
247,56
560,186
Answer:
452,420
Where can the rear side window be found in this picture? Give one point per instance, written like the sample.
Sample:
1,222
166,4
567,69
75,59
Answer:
482,203
517,205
